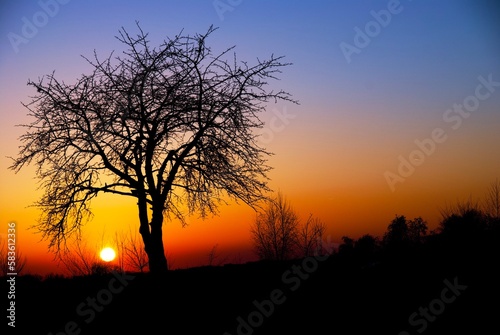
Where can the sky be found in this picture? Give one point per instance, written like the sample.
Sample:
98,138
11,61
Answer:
399,108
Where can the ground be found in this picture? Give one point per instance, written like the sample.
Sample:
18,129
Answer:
434,291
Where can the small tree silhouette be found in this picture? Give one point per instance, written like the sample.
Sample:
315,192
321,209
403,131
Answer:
366,246
309,237
275,231
278,234
397,235
417,230
213,257
403,233
79,259
131,253
347,246
464,221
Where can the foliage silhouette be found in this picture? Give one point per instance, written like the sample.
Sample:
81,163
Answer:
172,126
402,233
465,223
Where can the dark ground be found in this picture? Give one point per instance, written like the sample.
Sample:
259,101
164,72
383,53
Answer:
344,294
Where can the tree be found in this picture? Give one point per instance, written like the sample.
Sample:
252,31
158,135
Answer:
278,233
131,254
402,232
366,246
417,229
275,230
464,221
397,234
81,260
309,237
347,245
173,127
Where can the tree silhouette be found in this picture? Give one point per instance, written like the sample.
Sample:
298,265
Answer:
403,233
417,229
397,234
173,127
464,221
309,237
276,229
80,259
214,255
366,246
347,246
278,233
131,254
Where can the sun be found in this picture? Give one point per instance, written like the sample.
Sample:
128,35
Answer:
107,254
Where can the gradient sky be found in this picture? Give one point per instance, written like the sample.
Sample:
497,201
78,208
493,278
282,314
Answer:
358,119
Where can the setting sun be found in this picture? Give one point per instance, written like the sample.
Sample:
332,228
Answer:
107,254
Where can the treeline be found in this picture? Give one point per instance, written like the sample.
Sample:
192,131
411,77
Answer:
278,234
466,228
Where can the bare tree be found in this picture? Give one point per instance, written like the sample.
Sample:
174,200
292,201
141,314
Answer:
17,258
81,260
276,229
173,127
492,200
310,236
131,255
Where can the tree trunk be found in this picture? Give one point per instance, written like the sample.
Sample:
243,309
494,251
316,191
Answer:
152,237
156,252
156,256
